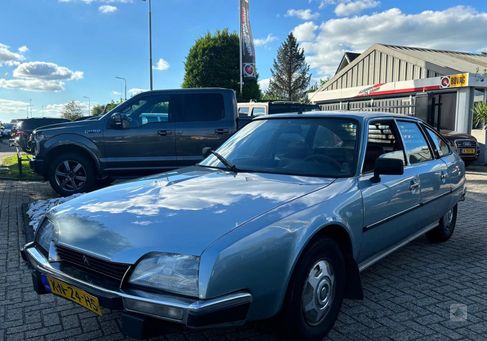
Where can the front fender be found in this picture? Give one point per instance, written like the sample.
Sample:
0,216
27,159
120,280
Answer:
66,140
261,255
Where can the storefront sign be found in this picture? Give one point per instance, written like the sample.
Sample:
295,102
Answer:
454,81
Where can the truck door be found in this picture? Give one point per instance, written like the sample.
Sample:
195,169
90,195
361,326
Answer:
203,120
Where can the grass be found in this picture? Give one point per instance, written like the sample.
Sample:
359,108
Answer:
9,168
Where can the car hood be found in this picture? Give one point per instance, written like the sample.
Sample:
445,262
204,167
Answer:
178,212
77,126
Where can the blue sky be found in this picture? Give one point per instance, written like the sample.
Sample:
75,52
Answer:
54,51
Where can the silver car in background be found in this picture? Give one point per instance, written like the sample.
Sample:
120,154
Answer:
279,221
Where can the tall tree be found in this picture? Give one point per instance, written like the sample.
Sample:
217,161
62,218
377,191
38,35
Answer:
72,111
213,61
290,72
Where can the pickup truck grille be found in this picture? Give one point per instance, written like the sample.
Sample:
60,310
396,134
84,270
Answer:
102,267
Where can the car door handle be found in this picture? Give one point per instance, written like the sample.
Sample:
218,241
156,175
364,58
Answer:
414,186
221,131
164,132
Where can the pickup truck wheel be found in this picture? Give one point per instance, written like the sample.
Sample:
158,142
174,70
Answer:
315,293
445,229
71,173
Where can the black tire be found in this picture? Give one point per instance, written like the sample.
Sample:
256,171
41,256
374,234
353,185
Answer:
445,229
294,319
87,171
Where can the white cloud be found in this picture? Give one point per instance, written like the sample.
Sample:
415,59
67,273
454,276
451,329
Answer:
161,65
10,107
45,71
264,41
40,76
346,8
23,49
105,9
136,91
431,29
305,32
8,57
116,93
304,14
264,84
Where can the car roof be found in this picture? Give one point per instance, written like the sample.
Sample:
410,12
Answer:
358,115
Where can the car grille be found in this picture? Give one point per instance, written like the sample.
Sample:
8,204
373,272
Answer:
109,269
466,144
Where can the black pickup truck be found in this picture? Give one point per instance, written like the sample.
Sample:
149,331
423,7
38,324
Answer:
152,132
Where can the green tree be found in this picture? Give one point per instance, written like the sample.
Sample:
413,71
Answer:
72,111
213,61
100,109
480,115
290,72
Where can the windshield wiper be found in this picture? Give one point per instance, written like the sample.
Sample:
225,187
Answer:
228,164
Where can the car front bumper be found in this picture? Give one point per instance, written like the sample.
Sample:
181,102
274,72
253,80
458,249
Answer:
138,306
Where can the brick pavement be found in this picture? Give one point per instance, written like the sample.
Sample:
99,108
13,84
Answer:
408,295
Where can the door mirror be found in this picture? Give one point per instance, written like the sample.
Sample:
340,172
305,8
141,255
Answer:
387,166
206,152
117,121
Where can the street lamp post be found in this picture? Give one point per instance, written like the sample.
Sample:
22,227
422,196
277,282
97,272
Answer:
150,43
125,84
89,105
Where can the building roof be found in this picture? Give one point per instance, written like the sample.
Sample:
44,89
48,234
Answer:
383,63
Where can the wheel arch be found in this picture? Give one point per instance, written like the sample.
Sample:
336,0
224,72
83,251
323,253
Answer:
341,236
71,148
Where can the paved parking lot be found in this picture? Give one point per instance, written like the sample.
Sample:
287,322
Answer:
424,291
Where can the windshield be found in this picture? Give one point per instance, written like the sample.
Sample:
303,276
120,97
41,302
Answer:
325,147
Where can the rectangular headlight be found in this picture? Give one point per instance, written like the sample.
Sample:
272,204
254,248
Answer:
170,272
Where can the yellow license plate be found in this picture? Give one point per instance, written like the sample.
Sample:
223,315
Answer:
76,295
468,151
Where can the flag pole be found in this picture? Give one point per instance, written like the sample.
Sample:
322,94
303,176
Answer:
240,40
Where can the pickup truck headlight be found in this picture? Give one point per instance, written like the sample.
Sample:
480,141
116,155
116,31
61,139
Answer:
45,235
170,272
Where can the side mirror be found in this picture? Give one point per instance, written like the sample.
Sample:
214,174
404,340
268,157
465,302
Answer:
206,152
117,121
387,166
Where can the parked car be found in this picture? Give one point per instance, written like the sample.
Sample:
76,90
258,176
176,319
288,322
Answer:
255,109
464,144
279,221
7,130
24,129
152,132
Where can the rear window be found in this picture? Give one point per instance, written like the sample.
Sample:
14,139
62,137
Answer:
199,107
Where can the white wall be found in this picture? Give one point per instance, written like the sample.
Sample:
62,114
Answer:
481,136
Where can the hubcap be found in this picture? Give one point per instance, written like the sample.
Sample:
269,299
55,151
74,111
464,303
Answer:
448,219
70,175
318,292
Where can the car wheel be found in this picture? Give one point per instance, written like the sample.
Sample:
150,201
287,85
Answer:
315,292
71,173
445,229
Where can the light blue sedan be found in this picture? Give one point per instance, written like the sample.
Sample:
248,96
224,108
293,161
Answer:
279,221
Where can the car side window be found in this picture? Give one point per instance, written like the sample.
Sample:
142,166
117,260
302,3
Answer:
243,111
198,107
440,144
146,110
417,149
383,142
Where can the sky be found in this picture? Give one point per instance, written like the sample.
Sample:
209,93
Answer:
55,51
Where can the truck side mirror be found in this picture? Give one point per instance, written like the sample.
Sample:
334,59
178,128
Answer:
387,166
206,152
117,120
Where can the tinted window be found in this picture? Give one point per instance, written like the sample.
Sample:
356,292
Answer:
383,142
440,145
291,146
417,149
199,107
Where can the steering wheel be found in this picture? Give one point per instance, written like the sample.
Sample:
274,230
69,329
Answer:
324,159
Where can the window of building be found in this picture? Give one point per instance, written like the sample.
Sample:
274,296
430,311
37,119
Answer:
417,149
